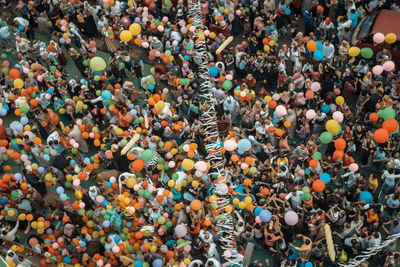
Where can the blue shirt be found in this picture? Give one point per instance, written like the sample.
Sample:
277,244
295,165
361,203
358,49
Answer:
354,19
293,256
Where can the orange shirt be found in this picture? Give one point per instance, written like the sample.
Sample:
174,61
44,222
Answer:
53,117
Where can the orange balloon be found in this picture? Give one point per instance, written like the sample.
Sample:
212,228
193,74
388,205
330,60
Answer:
168,145
37,141
340,144
373,116
235,158
265,191
196,205
287,124
272,104
318,185
309,94
151,101
248,160
138,165
271,129
193,146
391,125
338,154
313,163
279,132
381,135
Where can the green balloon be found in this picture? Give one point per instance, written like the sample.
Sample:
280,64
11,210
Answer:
306,189
121,65
130,249
124,142
31,75
380,113
161,220
227,85
317,155
221,9
33,95
338,132
147,194
307,171
53,68
51,77
160,160
141,192
175,176
68,184
184,182
326,137
4,70
253,170
157,22
3,56
305,196
166,167
388,113
89,213
169,224
85,63
367,52
96,78
106,217
147,155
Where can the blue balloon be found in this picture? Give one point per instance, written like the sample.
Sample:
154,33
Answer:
50,90
106,95
108,184
47,241
104,203
24,120
128,224
288,11
138,264
62,40
257,211
325,177
150,86
186,57
46,157
67,259
265,215
106,223
213,71
18,176
82,244
21,28
244,144
308,264
157,263
131,106
325,109
117,239
319,45
366,196
40,169
318,55
60,190
72,163
6,107
63,197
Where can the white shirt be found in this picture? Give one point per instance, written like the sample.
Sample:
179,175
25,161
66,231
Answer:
328,51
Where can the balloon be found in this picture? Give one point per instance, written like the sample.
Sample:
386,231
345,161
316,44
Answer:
367,52
125,36
317,155
373,116
227,84
381,135
340,144
280,110
135,29
138,165
354,51
312,45
187,164
377,69
265,215
353,167
338,116
388,65
315,86
390,38
339,100
213,71
180,230
291,218
147,155
379,38
196,205
318,55
97,64
310,114
332,126
318,185
366,196
230,145
390,125
244,144
18,83
388,113
325,177
326,137
201,166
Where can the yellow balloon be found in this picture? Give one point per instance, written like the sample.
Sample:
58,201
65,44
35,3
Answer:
195,183
27,127
390,38
187,260
125,36
188,164
248,200
62,111
130,182
171,183
332,126
22,217
18,83
228,208
178,187
267,98
235,201
34,225
212,35
11,213
135,28
65,35
339,100
130,4
78,194
40,224
242,205
354,51
271,43
79,104
266,48
226,12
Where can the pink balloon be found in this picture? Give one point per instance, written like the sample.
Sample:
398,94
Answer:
315,86
171,164
258,219
165,19
275,97
353,167
76,182
388,65
338,116
146,9
63,22
63,28
291,218
238,12
91,135
377,70
145,14
244,166
192,28
379,38
76,145
160,28
6,64
165,91
230,145
82,204
169,155
24,157
310,114
229,77
182,23
55,245
113,179
145,19
281,110
186,148
68,41
39,78
180,230
184,30
198,173
145,45
161,231
201,166
100,199
336,91
206,32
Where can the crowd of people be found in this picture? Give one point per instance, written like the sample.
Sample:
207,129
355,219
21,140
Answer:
112,167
